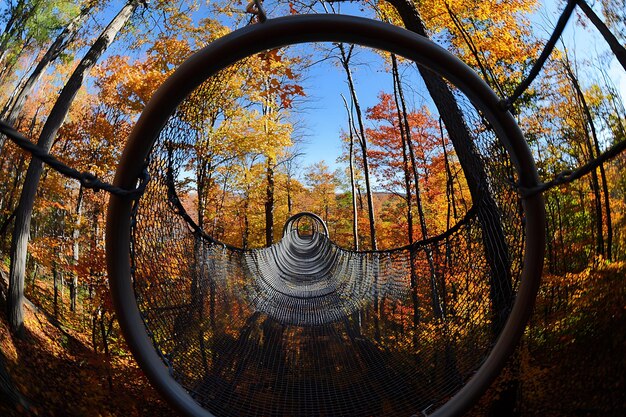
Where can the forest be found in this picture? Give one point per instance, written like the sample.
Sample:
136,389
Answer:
407,174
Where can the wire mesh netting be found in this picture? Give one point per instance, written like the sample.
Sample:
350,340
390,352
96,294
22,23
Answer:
306,327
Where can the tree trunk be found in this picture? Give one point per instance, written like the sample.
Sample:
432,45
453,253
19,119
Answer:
550,232
289,198
355,214
9,393
19,171
55,280
246,221
408,142
60,43
105,333
451,200
355,219
494,241
269,202
75,249
94,331
506,402
198,295
409,209
562,257
614,44
484,68
201,275
596,148
345,62
15,26
8,202
587,154
33,174
9,28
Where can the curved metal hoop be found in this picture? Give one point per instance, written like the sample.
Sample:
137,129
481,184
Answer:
293,220
293,30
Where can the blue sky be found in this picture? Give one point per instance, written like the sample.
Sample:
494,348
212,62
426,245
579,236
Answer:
324,112
328,117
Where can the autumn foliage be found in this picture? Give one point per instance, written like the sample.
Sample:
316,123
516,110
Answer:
236,157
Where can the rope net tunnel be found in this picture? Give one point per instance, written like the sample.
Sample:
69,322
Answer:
295,330
305,326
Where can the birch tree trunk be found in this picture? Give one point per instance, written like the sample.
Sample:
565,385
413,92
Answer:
19,16
355,218
57,115
409,203
14,108
345,62
614,44
76,249
269,202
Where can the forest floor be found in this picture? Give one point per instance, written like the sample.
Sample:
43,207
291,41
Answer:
55,367
572,361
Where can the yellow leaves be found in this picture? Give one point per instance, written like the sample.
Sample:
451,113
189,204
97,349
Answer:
128,86
266,135
245,132
169,51
495,32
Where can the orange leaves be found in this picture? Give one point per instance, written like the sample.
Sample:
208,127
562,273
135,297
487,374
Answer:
392,161
50,252
129,85
496,33
56,368
289,91
272,79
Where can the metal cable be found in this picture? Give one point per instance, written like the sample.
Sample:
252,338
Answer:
86,179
